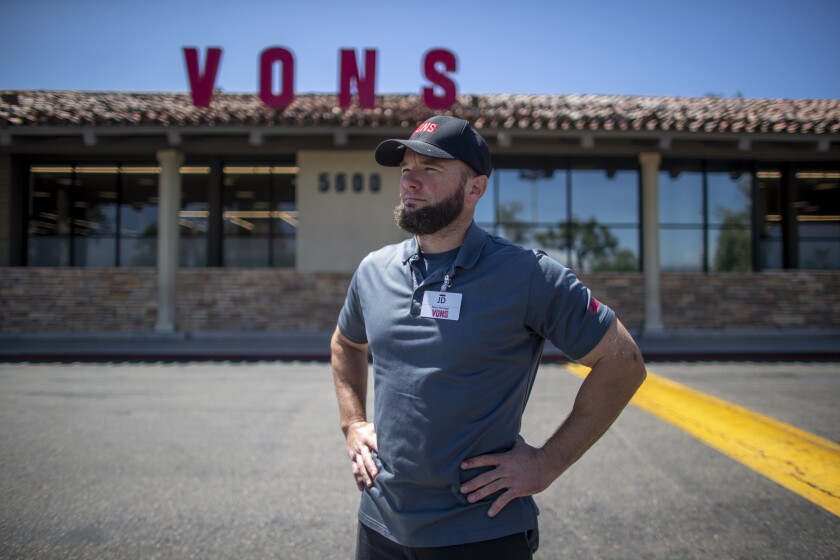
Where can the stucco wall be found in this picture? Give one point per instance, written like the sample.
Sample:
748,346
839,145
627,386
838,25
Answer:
337,229
125,300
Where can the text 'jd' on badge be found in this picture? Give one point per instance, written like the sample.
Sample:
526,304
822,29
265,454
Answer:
441,305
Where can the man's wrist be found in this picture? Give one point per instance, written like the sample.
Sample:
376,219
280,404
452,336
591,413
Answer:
347,426
555,461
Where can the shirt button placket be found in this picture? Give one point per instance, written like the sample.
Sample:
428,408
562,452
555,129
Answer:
416,303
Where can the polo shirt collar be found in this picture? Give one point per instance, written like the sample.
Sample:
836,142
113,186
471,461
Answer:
468,254
471,248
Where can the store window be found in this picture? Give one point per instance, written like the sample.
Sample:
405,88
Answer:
106,215
799,212
768,199
705,217
94,216
584,216
284,222
138,217
49,216
529,203
194,218
729,219
605,220
74,215
259,216
817,210
681,217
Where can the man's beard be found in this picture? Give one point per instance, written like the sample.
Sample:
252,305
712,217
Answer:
433,218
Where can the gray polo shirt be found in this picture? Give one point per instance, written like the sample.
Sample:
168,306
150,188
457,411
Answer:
446,390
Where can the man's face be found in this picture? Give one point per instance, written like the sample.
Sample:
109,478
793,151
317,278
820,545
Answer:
431,193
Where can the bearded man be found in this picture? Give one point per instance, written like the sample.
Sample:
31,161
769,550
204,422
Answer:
456,321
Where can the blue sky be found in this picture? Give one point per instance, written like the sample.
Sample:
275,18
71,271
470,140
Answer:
756,48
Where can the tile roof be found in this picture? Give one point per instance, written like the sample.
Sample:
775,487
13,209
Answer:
585,113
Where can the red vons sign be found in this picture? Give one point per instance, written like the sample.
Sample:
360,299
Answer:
437,64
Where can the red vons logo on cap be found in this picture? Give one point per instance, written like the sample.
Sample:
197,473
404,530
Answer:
426,127
594,305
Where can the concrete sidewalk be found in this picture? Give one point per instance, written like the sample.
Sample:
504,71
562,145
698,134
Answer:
788,345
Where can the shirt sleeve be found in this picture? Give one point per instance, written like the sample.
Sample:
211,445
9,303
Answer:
351,320
563,310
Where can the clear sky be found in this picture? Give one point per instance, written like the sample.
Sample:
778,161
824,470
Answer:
755,48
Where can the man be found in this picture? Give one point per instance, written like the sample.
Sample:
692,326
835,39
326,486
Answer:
456,321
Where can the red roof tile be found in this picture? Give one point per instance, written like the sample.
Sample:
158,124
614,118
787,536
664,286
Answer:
24,108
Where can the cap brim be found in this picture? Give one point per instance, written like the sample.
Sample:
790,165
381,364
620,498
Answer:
390,153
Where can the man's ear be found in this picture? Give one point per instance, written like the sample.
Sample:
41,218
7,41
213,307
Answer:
477,186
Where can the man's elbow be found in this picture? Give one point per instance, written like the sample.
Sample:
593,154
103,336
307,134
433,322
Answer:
637,370
335,341
629,354
341,345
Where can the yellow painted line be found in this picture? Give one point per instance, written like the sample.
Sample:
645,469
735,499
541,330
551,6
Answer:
799,461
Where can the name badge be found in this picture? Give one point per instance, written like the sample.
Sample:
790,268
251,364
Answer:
441,305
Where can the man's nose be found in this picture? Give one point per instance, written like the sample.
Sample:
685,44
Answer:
410,180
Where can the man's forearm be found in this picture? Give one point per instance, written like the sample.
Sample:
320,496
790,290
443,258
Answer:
596,408
350,374
615,377
617,371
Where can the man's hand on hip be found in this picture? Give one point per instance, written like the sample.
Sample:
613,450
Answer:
522,471
361,442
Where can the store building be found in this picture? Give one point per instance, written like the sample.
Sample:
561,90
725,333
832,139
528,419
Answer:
140,212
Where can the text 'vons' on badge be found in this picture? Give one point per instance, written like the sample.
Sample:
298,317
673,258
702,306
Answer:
441,305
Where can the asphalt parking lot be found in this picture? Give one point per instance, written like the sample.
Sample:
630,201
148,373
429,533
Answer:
245,460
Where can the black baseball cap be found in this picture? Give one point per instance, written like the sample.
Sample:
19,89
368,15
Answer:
440,137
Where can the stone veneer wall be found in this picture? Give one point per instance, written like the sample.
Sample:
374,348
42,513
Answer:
794,299
125,300
623,292
77,300
259,300
769,300
43,300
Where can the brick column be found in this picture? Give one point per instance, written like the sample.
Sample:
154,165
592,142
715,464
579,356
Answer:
169,195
